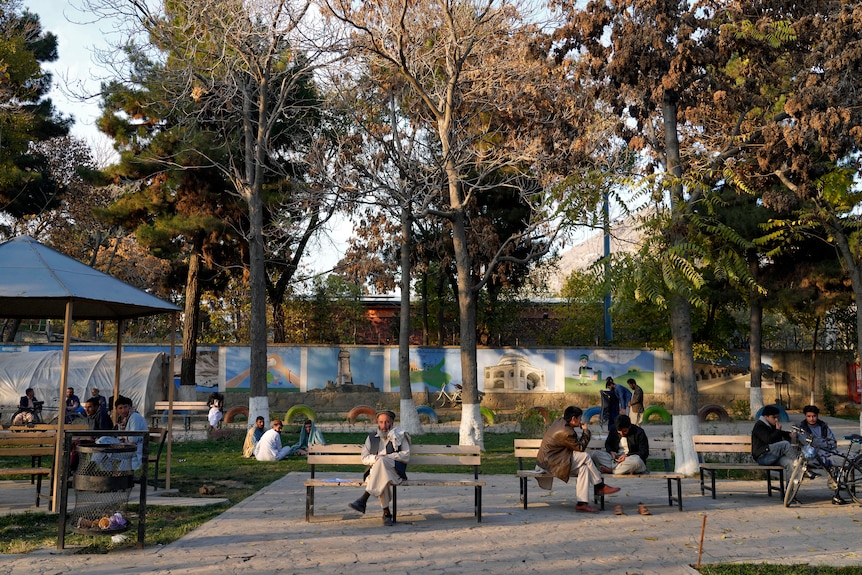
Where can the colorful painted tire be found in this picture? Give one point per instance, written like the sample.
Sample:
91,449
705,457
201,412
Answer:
592,412
233,412
297,410
543,411
361,410
713,409
656,410
427,412
488,415
782,413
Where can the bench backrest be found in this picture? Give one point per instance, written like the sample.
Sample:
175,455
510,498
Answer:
35,427
38,444
722,443
350,454
529,449
182,405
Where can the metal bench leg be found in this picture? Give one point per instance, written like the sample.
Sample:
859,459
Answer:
525,492
309,503
394,504
479,503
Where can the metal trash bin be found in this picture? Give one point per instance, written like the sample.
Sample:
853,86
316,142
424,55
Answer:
102,484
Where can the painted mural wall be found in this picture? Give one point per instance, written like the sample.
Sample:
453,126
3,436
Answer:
292,369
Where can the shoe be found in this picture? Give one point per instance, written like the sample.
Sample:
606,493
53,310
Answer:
585,508
606,470
606,490
642,509
358,505
387,518
811,475
618,510
838,500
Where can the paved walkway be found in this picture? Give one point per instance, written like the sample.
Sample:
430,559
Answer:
437,533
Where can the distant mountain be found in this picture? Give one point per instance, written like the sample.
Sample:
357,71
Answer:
625,237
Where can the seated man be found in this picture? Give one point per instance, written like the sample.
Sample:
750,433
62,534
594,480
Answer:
561,451
769,444
253,436
823,437
97,417
386,452
309,435
29,409
73,405
626,449
269,447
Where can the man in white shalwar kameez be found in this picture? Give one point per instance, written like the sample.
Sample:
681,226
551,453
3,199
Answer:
269,447
386,452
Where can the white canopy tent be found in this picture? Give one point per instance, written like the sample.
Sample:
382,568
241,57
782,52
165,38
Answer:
41,283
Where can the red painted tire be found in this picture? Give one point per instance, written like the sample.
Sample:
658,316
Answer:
712,409
361,410
233,412
543,411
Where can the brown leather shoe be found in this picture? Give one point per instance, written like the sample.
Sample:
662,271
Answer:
585,508
606,490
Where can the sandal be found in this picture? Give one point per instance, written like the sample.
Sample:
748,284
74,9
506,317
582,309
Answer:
642,509
618,510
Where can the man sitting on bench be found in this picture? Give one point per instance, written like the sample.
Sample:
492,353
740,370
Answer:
769,444
562,450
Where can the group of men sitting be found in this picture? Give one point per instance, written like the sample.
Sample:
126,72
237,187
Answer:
265,445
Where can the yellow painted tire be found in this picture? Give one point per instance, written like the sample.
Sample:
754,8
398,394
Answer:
488,415
656,410
361,410
297,410
233,412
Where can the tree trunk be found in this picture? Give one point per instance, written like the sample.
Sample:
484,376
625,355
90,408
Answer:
409,416
685,418
755,344
191,323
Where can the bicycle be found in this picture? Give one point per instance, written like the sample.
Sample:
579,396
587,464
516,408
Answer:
847,476
453,398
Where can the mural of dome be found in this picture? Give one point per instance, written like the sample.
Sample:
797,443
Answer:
514,373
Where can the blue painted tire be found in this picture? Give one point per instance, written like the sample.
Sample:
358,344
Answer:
656,410
487,415
299,409
592,412
429,413
782,413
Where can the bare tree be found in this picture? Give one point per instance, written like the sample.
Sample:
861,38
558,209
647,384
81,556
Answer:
468,69
244,71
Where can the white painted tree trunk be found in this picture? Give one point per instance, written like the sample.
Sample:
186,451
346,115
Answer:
684,427
755,399
258,406
472,426
409,417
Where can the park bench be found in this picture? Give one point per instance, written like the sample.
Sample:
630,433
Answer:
187,409
157,434
528,449
32,444
731,444
468,456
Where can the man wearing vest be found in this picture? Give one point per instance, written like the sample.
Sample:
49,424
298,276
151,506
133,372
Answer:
386,454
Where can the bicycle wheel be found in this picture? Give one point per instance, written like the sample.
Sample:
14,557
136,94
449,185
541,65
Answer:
853,481
797,474
442,400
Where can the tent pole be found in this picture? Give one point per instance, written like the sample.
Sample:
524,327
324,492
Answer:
61,408
117,369
171,401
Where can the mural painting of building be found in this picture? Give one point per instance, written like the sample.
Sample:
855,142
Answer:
514,373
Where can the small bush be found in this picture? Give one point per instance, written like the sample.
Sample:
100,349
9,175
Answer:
829,402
